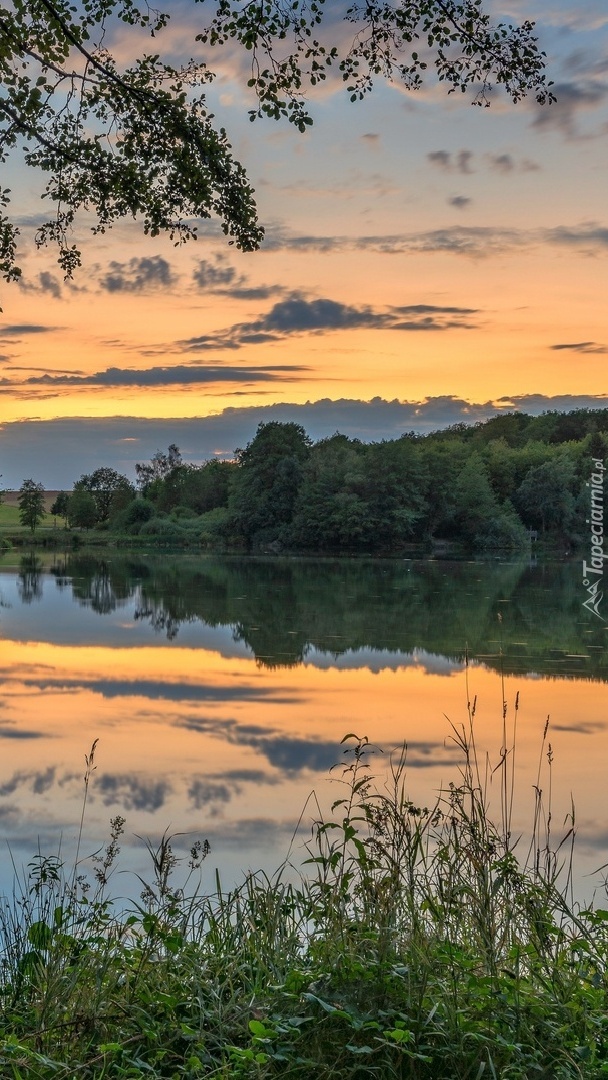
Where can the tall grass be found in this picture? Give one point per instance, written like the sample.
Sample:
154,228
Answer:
413,944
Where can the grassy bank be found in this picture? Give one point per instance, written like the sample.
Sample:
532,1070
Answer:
414,944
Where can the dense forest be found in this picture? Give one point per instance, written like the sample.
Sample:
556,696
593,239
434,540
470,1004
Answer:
486,487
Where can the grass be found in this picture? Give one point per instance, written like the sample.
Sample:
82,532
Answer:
413,944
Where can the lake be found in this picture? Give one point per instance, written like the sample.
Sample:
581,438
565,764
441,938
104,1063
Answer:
219,690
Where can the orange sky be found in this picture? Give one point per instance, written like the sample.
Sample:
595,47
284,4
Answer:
416,248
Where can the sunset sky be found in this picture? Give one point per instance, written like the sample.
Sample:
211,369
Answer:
436,260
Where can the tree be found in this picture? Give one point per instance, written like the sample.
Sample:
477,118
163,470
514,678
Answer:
31,504
544,498
138,140
159,467
82,509
60,506
266,485
104,484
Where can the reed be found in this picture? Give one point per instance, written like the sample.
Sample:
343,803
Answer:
411,943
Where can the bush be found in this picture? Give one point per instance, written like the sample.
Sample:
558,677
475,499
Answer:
502,533
163,530
136,514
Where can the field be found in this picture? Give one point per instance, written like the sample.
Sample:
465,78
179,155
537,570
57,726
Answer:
9,510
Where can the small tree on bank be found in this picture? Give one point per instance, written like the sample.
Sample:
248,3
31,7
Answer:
60,506
31,504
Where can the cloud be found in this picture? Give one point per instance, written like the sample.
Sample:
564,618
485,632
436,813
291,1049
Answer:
297,315
38,782
132,792
573,99
44,282
164,691
448,162
586,348
25,328
48,449
472,241
506,164
138,275
460,202
209,275
293,754
218,277
208,793
587,238
20,733
178,375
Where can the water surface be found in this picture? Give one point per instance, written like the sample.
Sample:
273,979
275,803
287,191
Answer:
220,688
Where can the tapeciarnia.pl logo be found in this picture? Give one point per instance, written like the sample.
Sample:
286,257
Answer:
593,571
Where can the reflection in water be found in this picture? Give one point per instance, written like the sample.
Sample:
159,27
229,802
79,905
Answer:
283,609
30,578
220,688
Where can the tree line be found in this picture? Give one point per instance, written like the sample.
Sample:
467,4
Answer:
486,487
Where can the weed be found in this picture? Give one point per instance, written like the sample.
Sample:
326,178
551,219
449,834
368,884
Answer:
412,944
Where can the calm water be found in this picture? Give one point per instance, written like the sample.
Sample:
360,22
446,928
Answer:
219,690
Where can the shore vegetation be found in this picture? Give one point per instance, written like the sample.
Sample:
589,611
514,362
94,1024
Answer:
409,942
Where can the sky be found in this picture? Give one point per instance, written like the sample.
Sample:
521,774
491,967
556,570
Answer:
425,262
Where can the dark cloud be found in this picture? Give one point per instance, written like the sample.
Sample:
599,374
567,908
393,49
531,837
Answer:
25,328
21,733
218,277
48,449
138,275
294,755
502,163
211,275
448,162
132,792
440,158
37,782
587,348
585,727
473,241
163,691
44,282
178,375
457,240
300,316
203,792
586,238
573,100
507,164
460,202
247,776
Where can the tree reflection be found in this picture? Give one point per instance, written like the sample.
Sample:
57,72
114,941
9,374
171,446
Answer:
282,609
29,581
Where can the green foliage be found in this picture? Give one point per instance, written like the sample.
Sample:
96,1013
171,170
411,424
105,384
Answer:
135,514
138,139
265,488
109,489
31,504
59,507
413,943
479,488
545,498
158,468
81,509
